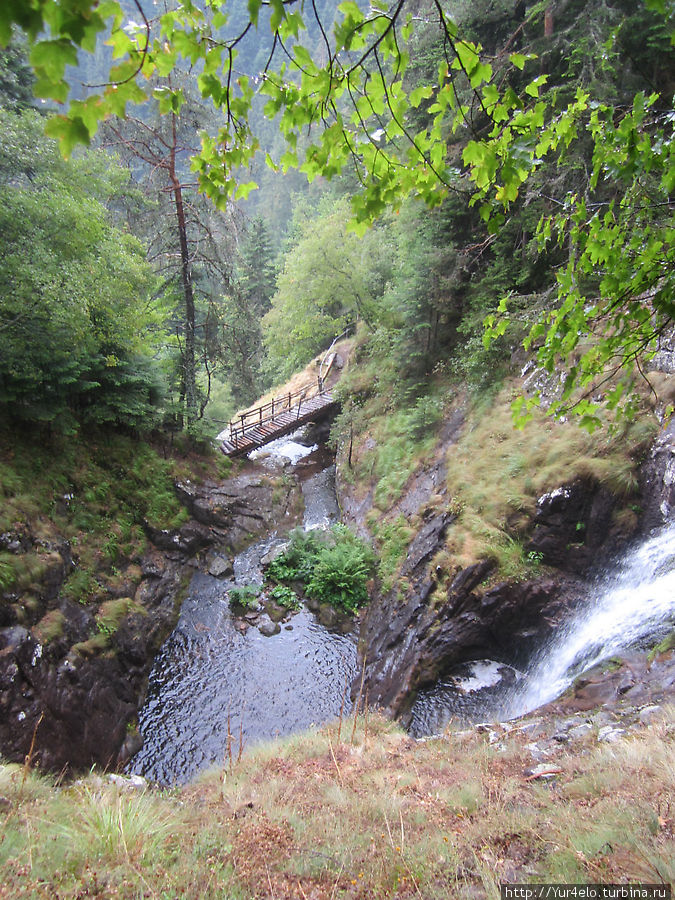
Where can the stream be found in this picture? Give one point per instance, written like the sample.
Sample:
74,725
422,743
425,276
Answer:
213,686
629,603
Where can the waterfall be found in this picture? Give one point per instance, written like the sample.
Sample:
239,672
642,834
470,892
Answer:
625,605
631,603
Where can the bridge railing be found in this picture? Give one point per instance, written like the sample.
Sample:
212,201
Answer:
260,415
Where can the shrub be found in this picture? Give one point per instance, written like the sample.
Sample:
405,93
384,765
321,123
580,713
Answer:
297,561
286,597
342,569
246,596
335,566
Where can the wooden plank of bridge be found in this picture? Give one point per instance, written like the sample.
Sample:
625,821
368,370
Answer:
254,436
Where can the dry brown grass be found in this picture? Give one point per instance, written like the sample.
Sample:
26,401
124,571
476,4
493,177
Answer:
496,472
382,817
306,379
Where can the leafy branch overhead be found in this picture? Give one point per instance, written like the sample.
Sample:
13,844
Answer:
479,125
352,109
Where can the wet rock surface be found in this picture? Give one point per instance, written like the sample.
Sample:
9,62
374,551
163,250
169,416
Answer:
239,509
76,694
425,625
70,682
598,709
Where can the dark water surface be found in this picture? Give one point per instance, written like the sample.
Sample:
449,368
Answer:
208,671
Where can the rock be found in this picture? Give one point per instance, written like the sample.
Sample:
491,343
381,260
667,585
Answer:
426,541
221,567
153,565
276,612
128,782
273,553
543,770
572,522
328,615
267,627
412,644
657,477
243,507
132,744
186,540
537,752
579,731
609,734
649,714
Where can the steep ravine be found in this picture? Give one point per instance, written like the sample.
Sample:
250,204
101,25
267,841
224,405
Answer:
71,697
432,620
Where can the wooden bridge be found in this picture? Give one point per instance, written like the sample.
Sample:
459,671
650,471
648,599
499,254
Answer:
282,415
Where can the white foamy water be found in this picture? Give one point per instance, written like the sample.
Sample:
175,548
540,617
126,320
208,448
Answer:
624,607
633,602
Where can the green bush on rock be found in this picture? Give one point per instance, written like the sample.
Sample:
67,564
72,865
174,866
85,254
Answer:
334,566
246,596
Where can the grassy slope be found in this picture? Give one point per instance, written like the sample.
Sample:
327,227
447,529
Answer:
495,471
370,814
96,494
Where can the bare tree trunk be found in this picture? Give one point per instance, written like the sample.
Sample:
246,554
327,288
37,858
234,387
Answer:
189,365
548,21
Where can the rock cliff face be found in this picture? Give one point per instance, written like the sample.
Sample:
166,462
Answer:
429,622
70,690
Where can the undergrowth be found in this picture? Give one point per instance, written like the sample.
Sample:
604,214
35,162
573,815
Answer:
354,809
495,471
93,498
334,567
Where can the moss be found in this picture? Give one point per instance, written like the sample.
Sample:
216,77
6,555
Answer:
111,613
93,647
50,627
668,643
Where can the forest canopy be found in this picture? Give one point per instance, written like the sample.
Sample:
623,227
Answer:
502,116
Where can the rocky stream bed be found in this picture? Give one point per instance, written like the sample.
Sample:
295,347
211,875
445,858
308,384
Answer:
72,702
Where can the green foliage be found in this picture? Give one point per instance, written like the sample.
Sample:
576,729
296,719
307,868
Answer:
16,75
74,323
80,586
428,106
342,569
7,573
297,561
393,539
286,597
330,278
99,494
155,497
247,596
335,567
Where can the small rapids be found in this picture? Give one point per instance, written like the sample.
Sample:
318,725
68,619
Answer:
629,604
211,685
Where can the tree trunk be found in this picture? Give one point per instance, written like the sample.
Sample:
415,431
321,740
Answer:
189,365
548,21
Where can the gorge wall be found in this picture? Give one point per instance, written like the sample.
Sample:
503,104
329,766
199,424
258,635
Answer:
70,694
433,618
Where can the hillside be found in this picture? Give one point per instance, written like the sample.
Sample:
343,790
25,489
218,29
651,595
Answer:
464,578
362,811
